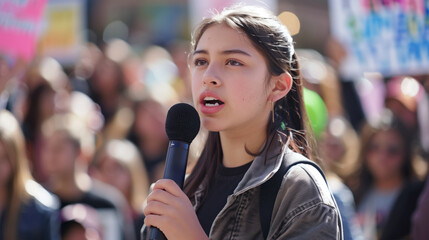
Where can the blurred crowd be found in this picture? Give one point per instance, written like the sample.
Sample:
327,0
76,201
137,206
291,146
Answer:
80,145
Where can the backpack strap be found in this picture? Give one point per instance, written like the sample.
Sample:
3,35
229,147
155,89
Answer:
269,189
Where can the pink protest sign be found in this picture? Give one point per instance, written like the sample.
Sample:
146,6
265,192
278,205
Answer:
20,22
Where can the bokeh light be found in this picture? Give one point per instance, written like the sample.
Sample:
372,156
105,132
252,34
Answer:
115,29
410,87
291,21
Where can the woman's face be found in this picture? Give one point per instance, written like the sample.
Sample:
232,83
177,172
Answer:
150,120
114,174
385,155
331,148
5,166
59,155
106,78
229,84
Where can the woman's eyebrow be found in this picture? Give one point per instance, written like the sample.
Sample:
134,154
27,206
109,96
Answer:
235,51
200,51
225,52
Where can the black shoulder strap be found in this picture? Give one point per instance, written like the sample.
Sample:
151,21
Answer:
270,188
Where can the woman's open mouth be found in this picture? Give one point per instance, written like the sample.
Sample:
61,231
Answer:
212,102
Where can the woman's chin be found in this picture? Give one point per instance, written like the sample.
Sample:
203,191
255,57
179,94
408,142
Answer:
211,125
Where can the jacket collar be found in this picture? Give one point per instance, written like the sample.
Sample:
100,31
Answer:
265,165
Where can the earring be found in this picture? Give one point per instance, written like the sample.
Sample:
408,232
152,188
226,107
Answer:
272,111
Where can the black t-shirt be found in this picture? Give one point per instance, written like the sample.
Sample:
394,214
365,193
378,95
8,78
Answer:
223,185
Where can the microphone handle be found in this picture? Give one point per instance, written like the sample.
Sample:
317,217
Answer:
175,169
176,161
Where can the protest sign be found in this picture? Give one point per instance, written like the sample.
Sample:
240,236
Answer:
20,23
386,36
64,32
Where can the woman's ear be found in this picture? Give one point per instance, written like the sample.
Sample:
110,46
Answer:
282,85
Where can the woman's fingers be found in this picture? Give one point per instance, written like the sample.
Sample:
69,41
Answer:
169,209
169,186
157,208
157,221
174,223
160,195
164,209
165,198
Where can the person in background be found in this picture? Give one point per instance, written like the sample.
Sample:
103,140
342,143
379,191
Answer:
335,54
405,97
64,138
41,106
48,90
338,147
108,89
386,168
107,86
27,210
337,142
179,52
148,134
84,67
402,101
420,224
119,164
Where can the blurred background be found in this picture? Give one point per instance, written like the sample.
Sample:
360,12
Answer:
89,83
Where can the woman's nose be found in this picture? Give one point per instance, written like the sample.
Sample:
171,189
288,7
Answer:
211,77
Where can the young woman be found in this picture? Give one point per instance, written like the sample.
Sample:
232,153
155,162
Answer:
41,106
148,134
386,158
27,210
247,89
65,137
119,164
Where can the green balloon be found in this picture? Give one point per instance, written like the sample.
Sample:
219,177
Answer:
316,111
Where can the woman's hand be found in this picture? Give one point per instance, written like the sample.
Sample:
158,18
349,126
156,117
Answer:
169,209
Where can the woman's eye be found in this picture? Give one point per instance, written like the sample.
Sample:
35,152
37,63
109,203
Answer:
200,62
233,63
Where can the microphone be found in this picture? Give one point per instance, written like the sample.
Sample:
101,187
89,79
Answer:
182,126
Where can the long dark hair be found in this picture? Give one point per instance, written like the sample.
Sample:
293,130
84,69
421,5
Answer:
33,120
273,40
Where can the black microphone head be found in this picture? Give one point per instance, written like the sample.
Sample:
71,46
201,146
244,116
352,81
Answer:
183,123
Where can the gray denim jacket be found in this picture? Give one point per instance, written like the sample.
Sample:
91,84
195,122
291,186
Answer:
304,207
